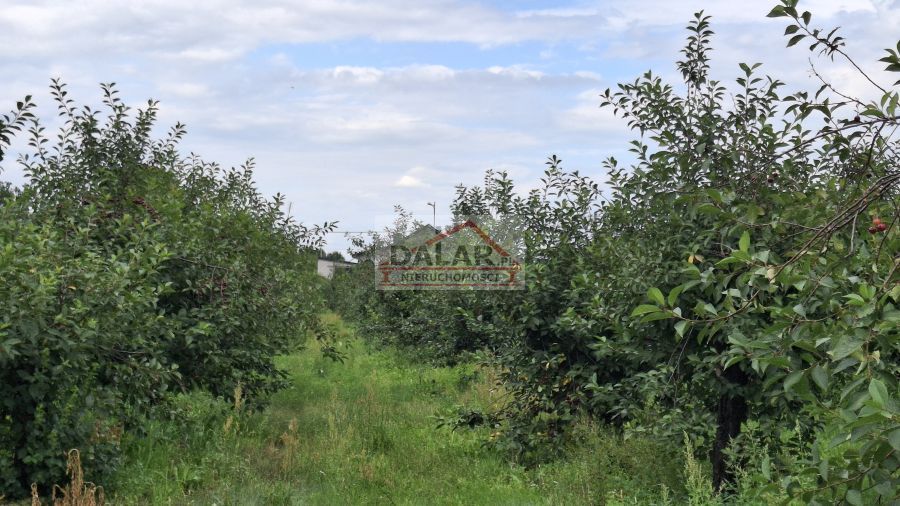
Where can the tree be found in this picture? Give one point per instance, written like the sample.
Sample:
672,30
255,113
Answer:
335,256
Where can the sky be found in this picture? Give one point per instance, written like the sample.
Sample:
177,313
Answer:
350,108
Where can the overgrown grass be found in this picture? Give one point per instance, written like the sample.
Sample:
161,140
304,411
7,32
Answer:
363,432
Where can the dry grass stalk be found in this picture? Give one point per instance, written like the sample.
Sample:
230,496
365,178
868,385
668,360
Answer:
231,421
290,442
77,492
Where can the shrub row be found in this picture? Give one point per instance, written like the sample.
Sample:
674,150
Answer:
128,272
738,283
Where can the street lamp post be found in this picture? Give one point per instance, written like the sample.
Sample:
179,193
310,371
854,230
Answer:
433,215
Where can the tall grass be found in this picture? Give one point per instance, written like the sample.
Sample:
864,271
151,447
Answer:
363,432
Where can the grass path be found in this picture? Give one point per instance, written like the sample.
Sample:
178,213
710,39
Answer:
363,432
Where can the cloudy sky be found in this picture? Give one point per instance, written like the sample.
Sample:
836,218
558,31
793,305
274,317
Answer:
350,107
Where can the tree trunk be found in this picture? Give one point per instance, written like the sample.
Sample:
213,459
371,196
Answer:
732,413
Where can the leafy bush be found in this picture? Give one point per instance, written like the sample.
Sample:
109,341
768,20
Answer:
128,272
406,319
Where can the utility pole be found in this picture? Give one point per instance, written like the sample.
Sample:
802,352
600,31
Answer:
433,215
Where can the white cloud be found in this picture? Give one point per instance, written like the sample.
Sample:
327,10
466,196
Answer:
207,54
587,74
346,138
518,72
407,181
360,75
570,12
186,90
666,13
412,179
217,31
587,115
429,72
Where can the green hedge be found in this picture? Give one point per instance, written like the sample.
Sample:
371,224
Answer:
128,272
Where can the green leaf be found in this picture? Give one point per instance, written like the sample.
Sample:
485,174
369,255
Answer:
776,12
656,296
680,327
738,339
744,243
733,360
866,291
644,309
890,314
652,317
820,377
895,293
792,380
885,488
823,469
854,299
864,311
894,439
879,393
844,348
727,260
849,389
673,294
795,39
854,497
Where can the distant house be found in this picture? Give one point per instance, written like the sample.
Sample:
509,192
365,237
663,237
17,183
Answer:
326,268
383,253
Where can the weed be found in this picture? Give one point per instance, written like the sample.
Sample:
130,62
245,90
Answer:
77,492
698,484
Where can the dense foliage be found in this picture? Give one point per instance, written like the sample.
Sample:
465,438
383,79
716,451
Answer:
127,272
738,283
406,319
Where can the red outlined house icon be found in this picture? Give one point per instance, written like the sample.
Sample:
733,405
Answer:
491,268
